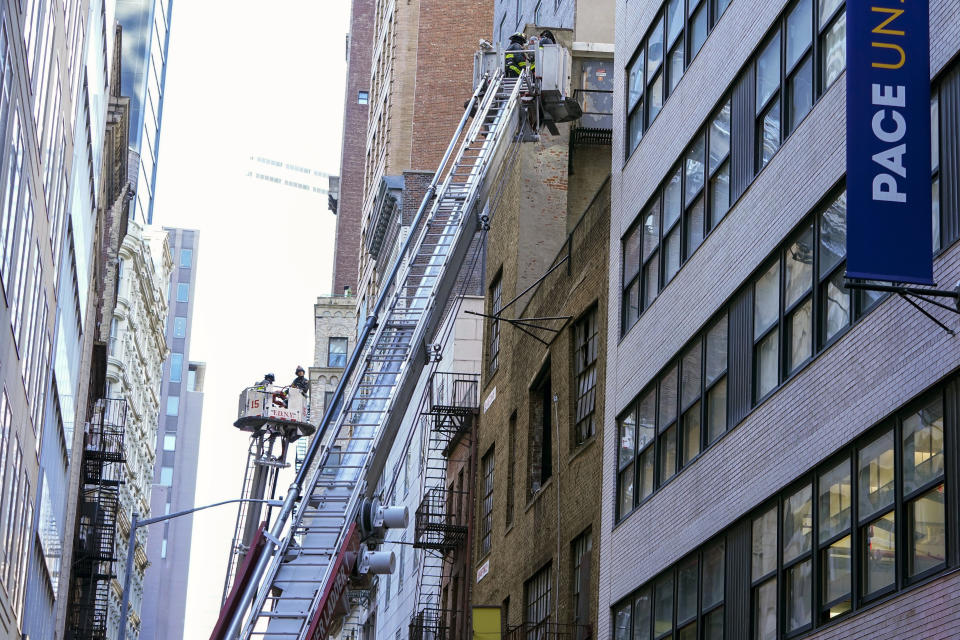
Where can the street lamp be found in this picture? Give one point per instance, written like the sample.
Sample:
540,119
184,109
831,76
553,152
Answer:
132,545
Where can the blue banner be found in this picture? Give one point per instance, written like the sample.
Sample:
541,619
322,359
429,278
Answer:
889,219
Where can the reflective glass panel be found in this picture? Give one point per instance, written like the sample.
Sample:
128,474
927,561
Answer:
923,446
641,616
698,30
663,605
876,474
837,303
635,80
671,256
837,570
631,254
766,357
646,473
713,575
833,235
694,169
720,137
801,93
716,350
834,54
646,422
770,141
674,20
797,523
655,48
765,611
651,230
621,622
799,30
694,226
764,544
627,435
672,205
690,389
880,558
928,539
768,71
801,335
668,398
799,595
691,433
834,500
687,589
766,300
717,410
655,98
668,454
798,259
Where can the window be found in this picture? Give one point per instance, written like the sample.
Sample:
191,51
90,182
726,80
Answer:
173,405
486,523
582,548
697,191
183,292
493,341
179,327
682,412
690,202
363,97
169,442
541,432
785,87
585,359
163,548
186,258
676,604
536,598
867,522
192,378
337,353
166,476
656,68
176,367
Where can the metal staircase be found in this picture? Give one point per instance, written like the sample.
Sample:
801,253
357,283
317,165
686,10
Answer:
441,521
286,597
103,462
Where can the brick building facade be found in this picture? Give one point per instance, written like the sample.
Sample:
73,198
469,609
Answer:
785,449
540,430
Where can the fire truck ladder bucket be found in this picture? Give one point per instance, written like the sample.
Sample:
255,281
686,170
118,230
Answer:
291,578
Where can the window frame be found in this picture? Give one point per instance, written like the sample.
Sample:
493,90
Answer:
584,367
487,467
495,301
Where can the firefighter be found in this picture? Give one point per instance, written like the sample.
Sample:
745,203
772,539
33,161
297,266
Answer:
300,382
546,37
516,59
266,382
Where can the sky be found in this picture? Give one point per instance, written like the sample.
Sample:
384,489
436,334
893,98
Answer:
244,79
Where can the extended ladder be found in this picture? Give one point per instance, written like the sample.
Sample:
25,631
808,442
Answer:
292,576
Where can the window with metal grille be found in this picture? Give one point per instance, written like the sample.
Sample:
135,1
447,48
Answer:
496,300
486,523
585,359
536,598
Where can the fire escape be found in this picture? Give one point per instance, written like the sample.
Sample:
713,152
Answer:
441,521
93,570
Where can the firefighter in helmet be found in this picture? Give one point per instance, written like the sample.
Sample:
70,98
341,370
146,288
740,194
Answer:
516,59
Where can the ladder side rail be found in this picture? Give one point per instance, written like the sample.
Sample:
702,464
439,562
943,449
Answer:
295,488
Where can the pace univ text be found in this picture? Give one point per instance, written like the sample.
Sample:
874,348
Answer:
888,124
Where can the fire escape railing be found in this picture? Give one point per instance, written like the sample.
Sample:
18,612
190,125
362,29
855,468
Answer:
595,126
440,522
547,631
93,559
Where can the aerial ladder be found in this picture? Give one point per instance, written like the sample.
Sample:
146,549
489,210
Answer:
325,537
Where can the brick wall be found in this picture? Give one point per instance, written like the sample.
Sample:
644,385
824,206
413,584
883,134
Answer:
449,31
346,249
545,523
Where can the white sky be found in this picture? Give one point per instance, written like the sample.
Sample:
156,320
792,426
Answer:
246,78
